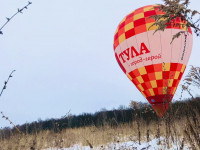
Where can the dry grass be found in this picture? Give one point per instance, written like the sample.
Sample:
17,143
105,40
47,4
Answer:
93,136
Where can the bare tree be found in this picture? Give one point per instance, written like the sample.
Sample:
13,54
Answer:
174,9
193,77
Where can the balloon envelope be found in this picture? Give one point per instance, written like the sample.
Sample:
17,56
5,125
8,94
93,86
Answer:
150,60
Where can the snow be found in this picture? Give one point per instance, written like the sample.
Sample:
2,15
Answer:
130,145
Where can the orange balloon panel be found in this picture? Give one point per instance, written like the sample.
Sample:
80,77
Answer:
149,59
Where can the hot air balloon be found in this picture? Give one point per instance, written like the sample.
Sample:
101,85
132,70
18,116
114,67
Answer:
149,59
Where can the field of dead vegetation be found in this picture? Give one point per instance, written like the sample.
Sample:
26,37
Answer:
170,131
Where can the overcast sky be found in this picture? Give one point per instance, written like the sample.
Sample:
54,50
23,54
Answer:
63,53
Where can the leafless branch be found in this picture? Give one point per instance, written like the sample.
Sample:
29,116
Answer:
6,82
18,11
176,9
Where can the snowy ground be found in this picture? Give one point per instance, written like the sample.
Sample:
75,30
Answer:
130,145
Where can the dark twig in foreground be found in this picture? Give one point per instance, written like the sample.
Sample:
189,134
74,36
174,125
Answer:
3,116
6,82
18,11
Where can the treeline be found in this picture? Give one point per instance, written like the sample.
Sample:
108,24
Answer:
112,118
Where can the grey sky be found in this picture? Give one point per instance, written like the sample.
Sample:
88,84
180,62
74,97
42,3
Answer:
63,53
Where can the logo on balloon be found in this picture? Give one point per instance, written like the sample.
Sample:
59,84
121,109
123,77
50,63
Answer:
132,52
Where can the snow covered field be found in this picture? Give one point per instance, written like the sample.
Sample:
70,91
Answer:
130,145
